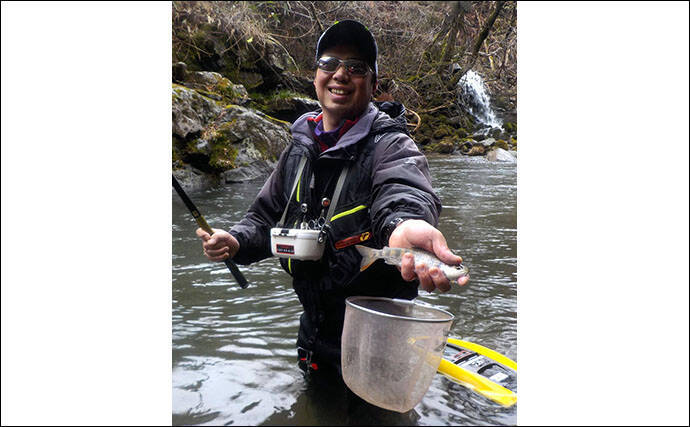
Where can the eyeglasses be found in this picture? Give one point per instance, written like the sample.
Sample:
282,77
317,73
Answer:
355,67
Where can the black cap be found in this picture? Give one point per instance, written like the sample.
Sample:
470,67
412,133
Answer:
350,32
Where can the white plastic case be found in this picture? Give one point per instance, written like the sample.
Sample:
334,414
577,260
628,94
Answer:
296,243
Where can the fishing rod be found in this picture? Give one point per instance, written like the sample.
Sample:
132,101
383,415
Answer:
237,274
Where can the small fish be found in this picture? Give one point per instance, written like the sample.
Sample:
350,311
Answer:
393,256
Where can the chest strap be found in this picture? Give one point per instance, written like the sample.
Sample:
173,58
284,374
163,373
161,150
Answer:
334,201
300,168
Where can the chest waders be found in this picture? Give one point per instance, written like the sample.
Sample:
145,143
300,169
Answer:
310,292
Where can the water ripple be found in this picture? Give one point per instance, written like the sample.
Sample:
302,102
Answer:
233,349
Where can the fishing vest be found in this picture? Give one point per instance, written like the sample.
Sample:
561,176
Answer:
323,285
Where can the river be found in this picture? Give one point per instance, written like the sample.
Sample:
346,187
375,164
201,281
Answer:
233,349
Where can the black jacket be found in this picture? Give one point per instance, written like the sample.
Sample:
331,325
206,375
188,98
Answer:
388,178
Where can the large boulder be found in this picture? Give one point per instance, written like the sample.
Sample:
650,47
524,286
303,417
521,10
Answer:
500,155
253,170
192,179
214,138
191,112
242,136
476,150
445,146
211,84
488,142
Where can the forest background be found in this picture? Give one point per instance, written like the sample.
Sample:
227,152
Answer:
418,44
261,55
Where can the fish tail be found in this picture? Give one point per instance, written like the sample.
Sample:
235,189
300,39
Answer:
369,255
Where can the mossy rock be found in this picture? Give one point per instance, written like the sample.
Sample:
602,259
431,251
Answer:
460,133
513,142
510,127
462,121
220,149
223,157
217,87
445,146
477,150
502,144
442,131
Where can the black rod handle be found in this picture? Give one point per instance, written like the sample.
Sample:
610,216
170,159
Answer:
236,273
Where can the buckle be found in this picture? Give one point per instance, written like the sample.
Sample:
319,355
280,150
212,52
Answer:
305,358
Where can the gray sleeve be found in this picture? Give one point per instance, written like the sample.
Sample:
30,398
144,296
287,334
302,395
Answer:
253,231
401,184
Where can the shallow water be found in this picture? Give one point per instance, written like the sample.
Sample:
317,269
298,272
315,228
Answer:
233,349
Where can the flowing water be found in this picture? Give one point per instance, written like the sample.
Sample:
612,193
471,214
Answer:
474,96
233,350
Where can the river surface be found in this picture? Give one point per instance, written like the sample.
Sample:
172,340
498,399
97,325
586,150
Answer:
233,350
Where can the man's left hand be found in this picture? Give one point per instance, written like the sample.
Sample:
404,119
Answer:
415,233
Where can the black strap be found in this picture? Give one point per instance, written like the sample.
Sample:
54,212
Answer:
336,193
300,168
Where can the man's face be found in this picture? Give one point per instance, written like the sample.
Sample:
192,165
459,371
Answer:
342,95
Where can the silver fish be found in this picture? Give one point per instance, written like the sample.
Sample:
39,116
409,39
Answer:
393,256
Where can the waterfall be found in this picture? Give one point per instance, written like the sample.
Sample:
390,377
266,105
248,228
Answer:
472,94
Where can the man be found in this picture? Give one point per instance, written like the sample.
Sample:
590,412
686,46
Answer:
386,199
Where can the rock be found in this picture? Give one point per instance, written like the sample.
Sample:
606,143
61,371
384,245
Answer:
466,146
191,112
192,179
480,135
179,72
503,136
257,169
446,146
477,150
215,139
442,131
495,132
488,142
291,107
215,86
500,155
502,144
203,79
242,136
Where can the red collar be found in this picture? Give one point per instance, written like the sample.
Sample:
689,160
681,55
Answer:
324,145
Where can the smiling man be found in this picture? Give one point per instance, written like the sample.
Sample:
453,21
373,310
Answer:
357,154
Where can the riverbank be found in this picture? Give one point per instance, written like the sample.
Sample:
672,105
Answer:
221,134
243,71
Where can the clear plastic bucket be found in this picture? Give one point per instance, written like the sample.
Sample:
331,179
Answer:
391,349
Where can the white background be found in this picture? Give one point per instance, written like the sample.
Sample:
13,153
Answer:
602,213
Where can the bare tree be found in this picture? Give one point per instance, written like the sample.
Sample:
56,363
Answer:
476,45
506,45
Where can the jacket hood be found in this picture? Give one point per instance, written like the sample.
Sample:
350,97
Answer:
395,121
379,117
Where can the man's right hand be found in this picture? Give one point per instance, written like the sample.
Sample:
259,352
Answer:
219,246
